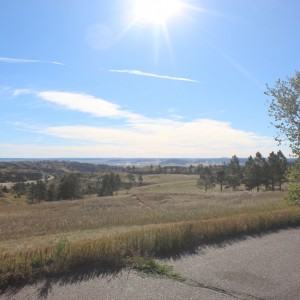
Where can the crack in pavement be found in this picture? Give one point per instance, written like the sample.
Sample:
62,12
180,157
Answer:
236,295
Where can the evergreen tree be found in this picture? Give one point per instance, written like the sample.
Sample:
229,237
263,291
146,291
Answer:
234,174
36,192
206,178
140,179
51,194
282,168
117,182
109,184
249,177
260,170
131,178
220,178
19,188
40,190
69,187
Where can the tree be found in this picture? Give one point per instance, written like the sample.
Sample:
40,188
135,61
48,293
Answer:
220,178
69,187
30,193
293,195
117,182
249,173
234,173
277,168
131,178
40,190
206,178
51,194
128,186
285,110
109,184
5,189
158,169
260,170
140,179
36,192
282,168
19,188
151,169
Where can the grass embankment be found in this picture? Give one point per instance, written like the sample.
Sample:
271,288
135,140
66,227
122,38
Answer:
150,221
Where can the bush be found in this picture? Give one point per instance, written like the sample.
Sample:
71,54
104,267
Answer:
293,195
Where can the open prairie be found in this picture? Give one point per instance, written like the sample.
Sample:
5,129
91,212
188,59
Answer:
168,213
163,199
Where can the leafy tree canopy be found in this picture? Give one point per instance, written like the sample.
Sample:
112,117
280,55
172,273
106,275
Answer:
285,110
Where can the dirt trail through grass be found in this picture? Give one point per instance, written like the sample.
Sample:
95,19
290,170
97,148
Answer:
137,197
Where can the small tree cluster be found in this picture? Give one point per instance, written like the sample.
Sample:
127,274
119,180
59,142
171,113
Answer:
68,188
256,172
206,178
109,184
259,171
36,192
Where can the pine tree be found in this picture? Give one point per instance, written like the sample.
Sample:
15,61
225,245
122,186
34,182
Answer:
206,178
234,174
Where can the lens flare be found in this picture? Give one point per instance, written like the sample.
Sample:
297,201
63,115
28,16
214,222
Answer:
156,11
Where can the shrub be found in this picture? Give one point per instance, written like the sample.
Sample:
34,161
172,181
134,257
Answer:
293,195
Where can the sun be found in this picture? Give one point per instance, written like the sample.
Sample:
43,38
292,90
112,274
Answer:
156,12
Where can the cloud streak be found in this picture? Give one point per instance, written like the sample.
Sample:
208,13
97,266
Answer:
87,104
21,60
140,73
140,136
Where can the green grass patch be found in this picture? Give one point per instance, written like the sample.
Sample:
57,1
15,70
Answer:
151,267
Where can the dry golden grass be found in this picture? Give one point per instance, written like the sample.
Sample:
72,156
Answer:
170,213
170,198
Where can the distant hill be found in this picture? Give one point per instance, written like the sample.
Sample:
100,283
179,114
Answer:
104,163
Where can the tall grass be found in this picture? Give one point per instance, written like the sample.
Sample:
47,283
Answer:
136,209
170,216
122,249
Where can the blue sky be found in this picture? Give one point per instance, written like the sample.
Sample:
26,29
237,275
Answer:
98,79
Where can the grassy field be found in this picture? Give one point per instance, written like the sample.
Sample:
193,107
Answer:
168,214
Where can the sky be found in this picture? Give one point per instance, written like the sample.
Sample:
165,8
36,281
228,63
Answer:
143,78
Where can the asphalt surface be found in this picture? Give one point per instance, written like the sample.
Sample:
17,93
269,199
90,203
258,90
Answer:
266,267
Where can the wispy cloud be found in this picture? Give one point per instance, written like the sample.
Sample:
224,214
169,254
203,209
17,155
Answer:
168,138
19,92
87,104
140,73
142,136
22,60
199,138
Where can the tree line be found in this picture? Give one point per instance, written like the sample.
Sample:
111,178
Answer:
69,187
19,176
256,172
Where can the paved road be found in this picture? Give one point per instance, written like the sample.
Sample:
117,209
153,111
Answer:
266,267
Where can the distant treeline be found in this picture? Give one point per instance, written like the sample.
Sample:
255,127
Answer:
22,171
19,175
256,172
72,186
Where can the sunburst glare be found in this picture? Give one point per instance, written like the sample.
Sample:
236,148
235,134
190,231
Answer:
156,12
